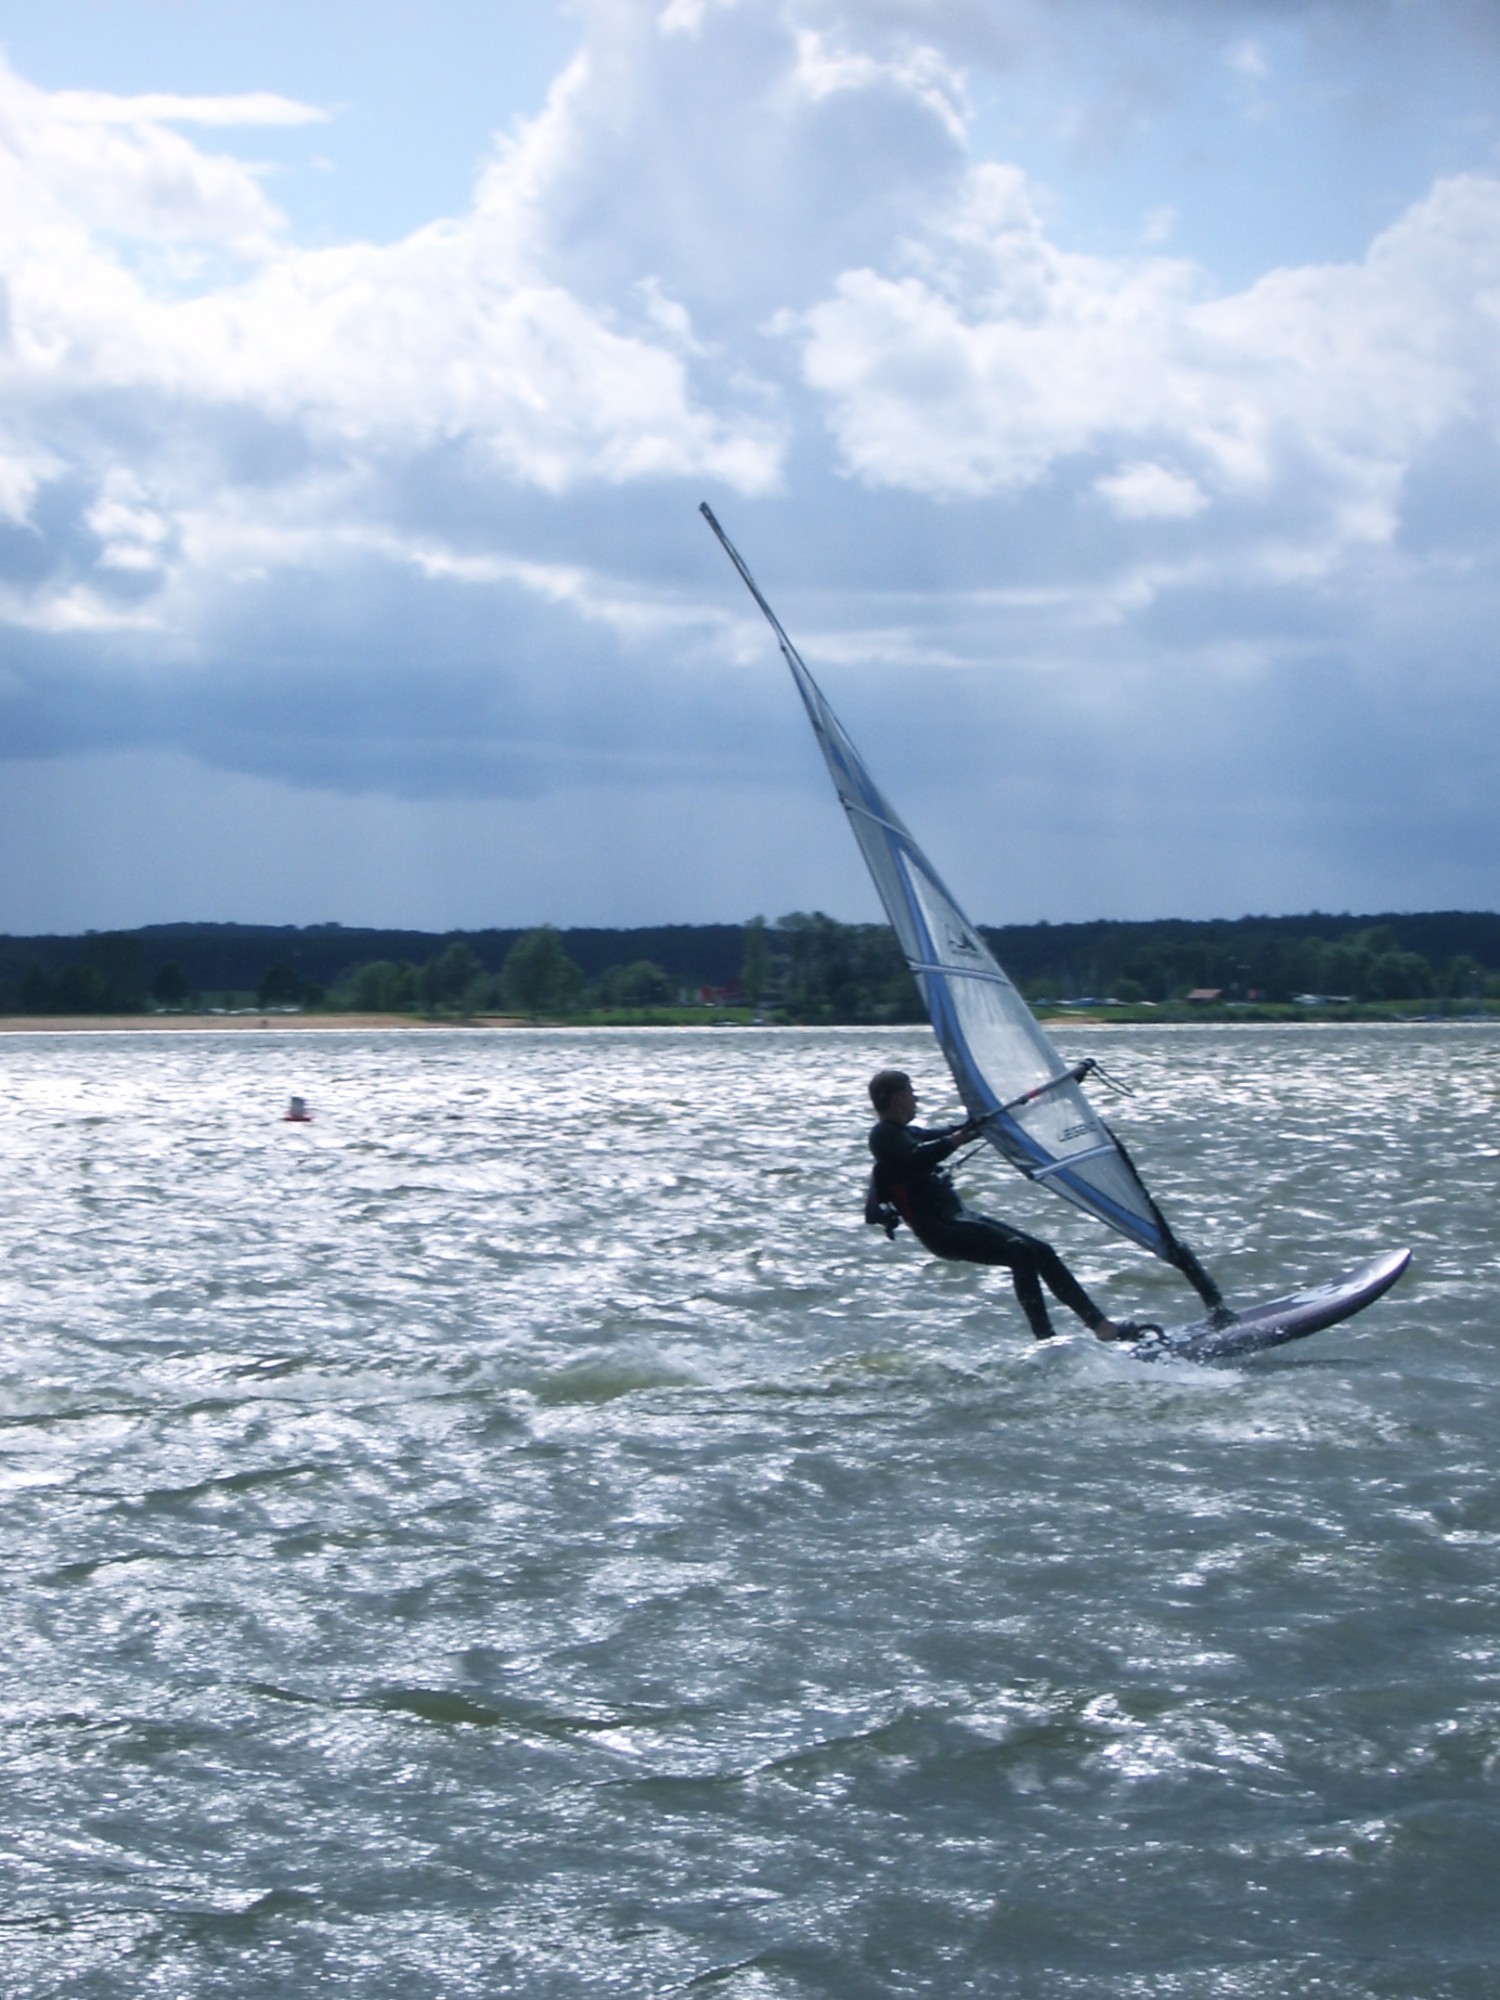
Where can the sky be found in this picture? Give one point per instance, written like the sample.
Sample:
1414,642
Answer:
1106,393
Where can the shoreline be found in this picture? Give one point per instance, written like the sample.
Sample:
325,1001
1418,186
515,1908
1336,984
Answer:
215,1024
255,1022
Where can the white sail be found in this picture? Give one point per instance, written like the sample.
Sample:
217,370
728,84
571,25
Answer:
1007,1071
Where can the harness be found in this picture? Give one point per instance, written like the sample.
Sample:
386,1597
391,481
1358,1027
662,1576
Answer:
880,1213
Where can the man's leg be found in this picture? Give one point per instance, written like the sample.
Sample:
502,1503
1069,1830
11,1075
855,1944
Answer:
1063,1286
980,1239
1024,1276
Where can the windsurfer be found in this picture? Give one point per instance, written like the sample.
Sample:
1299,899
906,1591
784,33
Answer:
909,1181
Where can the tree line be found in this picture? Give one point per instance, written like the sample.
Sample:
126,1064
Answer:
805,967
231,958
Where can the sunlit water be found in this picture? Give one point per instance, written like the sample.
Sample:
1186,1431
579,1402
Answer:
522,1534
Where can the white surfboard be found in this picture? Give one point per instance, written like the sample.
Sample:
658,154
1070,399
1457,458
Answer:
1221,1338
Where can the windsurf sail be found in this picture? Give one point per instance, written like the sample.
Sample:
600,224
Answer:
1010,1077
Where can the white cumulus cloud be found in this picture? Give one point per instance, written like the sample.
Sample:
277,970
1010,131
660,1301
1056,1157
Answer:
1144,491
124,369
996,357
73,164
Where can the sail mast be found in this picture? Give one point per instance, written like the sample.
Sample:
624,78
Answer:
1010,1077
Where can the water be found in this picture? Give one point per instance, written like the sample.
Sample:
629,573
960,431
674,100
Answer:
521,1534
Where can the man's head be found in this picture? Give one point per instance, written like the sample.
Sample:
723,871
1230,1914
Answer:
889,1088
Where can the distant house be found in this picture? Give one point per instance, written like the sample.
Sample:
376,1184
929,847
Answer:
1203,996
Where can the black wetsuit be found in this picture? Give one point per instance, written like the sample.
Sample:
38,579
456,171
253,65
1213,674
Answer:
909,1175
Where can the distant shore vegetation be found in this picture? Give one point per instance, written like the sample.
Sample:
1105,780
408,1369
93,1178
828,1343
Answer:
802,968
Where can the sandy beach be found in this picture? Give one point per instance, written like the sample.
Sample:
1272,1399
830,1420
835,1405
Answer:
77,1024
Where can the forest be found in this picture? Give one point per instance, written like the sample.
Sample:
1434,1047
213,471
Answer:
803,967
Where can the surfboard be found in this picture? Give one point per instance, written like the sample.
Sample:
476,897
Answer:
1277,1320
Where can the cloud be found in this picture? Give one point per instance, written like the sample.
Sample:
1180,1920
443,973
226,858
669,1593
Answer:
96,107
414,521
132,534
1248,60
1144,491
23,468
992,355
447,335
996,359
175,421
824,69
73,164
198,405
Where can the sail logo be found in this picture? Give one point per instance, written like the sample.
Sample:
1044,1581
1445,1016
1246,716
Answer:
960,941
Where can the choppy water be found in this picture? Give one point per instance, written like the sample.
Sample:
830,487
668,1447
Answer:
521,1533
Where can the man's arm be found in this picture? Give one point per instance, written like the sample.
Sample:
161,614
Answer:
908,1148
